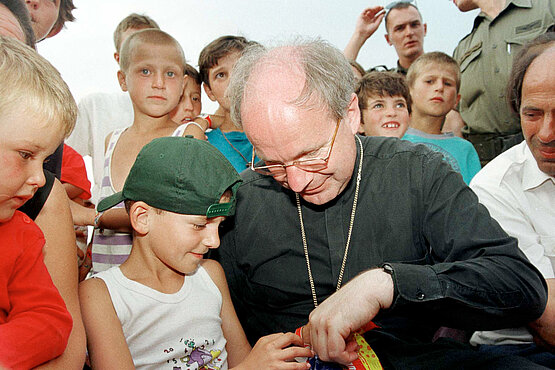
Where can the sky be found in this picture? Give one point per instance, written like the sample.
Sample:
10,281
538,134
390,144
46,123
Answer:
83,51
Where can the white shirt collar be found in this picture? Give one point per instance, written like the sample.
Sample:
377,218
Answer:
532,175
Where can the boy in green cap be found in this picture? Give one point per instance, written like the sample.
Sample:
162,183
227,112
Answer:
166,306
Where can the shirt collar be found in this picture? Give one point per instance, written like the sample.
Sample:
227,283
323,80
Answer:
518,3
400,69
532,175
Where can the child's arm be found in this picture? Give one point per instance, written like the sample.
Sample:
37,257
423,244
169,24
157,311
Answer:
38,325
116,218
105,339
202,123
59,257
273,351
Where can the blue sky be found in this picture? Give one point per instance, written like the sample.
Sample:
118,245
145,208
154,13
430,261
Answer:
83,52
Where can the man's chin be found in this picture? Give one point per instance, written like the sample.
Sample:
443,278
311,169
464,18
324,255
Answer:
321,197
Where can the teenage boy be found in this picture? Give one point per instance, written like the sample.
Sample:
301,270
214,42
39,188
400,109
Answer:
166,303
36,113
152,72
385,105
101,113
434,81
216,63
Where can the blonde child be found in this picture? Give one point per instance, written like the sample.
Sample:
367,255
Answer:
434,81
152,66
36,113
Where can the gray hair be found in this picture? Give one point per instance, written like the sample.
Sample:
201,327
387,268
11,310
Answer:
328,74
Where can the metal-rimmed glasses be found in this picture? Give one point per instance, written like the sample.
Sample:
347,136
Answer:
309,165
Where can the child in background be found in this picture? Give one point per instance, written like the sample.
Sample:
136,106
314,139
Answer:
216,62
434,81
34,322
190,105
152,71
49,17
385,104
78,188
102,113
166,305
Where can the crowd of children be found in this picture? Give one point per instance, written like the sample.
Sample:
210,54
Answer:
150,299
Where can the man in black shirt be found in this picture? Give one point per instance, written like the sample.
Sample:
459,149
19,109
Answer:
341,230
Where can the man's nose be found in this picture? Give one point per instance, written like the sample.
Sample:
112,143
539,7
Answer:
297,179
546,132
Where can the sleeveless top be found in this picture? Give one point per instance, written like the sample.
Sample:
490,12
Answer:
182,330
111,248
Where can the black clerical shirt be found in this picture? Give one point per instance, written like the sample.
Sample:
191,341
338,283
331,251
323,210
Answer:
453,264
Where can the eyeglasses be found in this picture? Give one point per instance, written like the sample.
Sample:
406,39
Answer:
309,165
394,3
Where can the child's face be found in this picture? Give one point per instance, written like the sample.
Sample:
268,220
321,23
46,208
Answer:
44,13
192,236
25,142
434,91
219,76
190,105
154,79
385,116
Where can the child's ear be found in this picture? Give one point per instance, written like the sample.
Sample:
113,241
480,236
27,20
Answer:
457,101
139,217
353,114
116,57
121,80
208,92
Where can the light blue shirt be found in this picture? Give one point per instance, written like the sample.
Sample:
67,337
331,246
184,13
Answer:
458,152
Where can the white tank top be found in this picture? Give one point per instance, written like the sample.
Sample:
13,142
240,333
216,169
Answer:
170,331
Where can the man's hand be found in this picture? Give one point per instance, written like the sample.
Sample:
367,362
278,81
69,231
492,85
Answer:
347,310
369,20
367,23
543,329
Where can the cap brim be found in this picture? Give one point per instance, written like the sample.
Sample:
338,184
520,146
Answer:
110,201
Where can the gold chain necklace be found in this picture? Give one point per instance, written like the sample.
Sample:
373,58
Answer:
234,148
351,223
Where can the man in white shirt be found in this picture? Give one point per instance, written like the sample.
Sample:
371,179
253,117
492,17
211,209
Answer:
518,188
102,113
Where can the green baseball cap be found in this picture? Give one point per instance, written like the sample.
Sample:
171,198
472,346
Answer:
181,175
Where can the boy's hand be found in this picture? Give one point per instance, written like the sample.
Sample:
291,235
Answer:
277,351
86,265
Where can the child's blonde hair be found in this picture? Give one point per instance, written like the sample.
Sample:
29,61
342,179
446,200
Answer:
28,80
133,20
436,57
147,36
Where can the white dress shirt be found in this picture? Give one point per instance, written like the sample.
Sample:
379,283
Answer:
522,199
